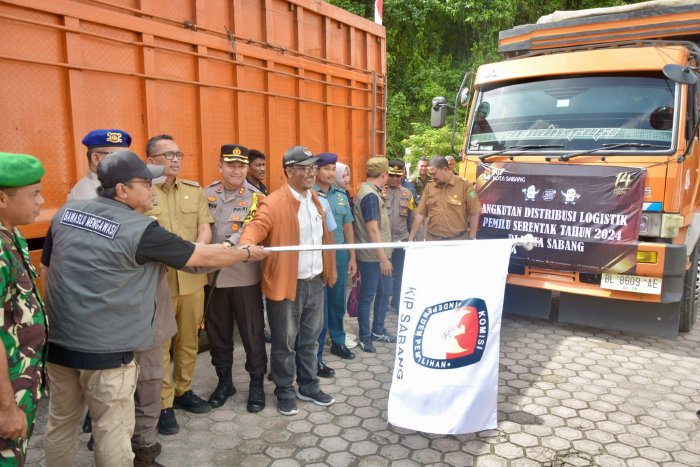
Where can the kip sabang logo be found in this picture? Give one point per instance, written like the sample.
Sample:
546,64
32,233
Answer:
451,334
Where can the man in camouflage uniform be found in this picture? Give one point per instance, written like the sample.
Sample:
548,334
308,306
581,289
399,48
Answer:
22,323
237,295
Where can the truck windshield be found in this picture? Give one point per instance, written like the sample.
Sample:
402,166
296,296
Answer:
577,113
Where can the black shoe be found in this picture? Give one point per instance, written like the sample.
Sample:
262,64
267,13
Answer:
384,337
287,406
224,389
167,423
87,424
342,351
192,403
91,442
319,398
367,346
267,336
256,394
325,371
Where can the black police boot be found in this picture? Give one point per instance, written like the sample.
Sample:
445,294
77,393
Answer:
256,394
224,389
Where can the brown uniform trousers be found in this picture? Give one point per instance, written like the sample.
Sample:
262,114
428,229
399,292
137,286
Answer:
181,209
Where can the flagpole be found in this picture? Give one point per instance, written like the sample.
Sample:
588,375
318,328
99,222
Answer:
527,242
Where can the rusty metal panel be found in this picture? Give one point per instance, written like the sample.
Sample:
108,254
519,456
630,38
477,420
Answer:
268,74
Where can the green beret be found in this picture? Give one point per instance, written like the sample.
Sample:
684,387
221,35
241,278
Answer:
377,166
17,170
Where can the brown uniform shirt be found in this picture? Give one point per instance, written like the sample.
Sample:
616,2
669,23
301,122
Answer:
180,209
448,208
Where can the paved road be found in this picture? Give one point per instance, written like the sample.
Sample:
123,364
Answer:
567,396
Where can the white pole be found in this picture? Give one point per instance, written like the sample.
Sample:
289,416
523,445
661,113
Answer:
527,242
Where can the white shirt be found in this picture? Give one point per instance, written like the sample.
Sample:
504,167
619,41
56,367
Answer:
310,233
86,188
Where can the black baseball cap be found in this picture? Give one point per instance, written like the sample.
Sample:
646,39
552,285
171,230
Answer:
122,166
298,155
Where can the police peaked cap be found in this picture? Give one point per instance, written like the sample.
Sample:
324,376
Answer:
234,153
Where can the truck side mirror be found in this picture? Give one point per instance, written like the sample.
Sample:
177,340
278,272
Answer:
438,112
679,74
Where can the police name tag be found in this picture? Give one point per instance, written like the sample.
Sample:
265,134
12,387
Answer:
90,222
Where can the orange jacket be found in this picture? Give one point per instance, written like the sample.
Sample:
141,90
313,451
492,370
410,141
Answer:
275,224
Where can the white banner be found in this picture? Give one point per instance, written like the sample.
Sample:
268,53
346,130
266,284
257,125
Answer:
446,370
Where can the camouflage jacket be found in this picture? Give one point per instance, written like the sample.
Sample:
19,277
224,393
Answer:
22,324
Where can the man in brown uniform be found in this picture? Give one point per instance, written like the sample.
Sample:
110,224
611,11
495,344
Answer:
182,209
237,295
450,203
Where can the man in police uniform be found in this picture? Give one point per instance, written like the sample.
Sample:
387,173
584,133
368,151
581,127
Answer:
400,204
236,295
182,209
450,203
22,322
100,144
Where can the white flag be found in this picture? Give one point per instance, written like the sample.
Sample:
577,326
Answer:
446,370
378,11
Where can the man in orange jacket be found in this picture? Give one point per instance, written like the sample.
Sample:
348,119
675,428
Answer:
293,282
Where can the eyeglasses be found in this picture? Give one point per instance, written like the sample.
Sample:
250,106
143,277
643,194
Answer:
311,169
147,182
171,155
105,153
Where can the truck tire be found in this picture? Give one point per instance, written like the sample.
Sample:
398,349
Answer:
691,293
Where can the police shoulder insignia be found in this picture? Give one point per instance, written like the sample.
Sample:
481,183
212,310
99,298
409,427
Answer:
189,182
242,190
212,184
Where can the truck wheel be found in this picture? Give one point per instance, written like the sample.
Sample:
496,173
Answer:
691,293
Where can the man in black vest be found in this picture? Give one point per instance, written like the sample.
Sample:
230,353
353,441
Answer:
104,262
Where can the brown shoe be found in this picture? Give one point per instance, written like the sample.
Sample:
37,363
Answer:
146,457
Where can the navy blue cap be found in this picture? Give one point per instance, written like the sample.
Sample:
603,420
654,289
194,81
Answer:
107,138
326,158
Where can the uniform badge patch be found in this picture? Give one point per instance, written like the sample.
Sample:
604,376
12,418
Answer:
212,199
235,227
235,218
114,137
242,203
90,222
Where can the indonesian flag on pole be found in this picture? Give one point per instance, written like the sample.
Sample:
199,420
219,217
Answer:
445,376
378,11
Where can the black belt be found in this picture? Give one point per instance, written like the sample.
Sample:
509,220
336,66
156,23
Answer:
462,233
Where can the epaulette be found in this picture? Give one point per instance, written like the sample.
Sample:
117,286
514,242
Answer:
189,182
213,183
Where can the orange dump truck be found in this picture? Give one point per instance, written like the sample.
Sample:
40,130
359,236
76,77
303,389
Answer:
266,74
586,137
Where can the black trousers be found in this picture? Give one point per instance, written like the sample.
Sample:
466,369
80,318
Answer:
242,306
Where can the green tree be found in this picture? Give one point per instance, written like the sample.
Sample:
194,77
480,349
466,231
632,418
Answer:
431,44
